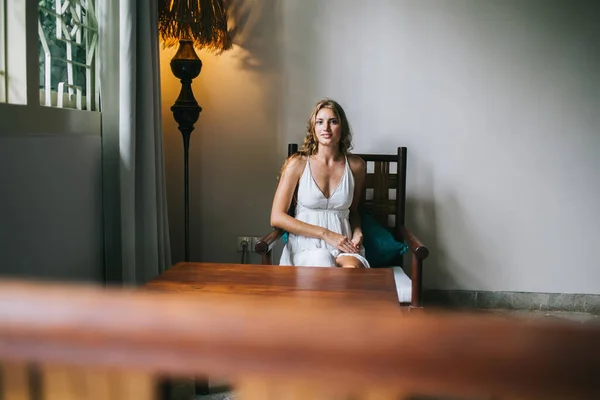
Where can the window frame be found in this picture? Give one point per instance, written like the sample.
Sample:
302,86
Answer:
23,114
53,98
2,51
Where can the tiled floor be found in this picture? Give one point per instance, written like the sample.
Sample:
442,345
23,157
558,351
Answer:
221,392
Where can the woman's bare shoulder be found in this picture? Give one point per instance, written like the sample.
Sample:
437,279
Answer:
357,164
294,165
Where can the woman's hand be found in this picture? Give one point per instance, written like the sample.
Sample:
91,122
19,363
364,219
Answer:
341,242
357,239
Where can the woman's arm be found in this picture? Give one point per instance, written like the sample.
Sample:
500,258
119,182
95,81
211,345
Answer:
283,199
358,166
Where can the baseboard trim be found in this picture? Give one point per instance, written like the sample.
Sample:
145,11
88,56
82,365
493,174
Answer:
588,303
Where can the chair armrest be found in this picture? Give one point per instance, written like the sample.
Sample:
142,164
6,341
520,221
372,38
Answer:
414,244
265,244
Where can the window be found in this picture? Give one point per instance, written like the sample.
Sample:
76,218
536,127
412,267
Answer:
68,38
50,82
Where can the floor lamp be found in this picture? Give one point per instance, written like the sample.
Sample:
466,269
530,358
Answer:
189,24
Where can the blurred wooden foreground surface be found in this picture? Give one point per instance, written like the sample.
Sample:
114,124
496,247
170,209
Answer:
60,341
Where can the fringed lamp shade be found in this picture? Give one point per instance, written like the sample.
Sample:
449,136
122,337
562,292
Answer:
204,22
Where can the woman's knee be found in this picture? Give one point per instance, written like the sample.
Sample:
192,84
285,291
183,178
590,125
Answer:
349,262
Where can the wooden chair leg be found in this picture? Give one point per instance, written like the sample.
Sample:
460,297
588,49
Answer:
417,282
267,258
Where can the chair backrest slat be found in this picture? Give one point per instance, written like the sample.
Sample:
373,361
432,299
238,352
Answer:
392,181
384,194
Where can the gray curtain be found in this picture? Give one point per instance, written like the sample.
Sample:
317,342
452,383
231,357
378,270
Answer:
137,245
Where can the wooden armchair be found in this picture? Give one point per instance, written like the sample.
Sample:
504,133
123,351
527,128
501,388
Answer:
389,211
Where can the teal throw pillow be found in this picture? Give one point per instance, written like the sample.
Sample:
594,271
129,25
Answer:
381,248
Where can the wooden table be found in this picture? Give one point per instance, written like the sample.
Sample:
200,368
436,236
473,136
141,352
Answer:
365,285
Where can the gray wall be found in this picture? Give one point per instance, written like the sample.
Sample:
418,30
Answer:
50,203
497,101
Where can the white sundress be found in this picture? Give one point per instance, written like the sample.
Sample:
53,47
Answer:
331,213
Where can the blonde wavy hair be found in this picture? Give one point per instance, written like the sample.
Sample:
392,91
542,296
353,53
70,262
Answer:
311,144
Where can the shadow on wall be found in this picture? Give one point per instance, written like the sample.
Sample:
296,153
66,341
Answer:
251,28
423,217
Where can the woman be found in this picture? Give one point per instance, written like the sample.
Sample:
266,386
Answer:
326,230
